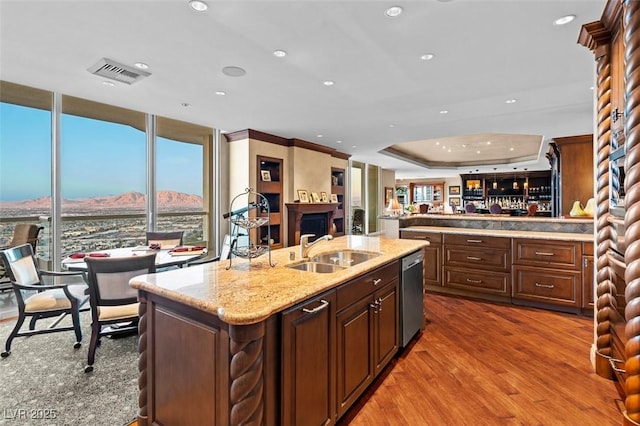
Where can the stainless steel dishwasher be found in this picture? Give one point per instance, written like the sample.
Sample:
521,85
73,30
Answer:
411,307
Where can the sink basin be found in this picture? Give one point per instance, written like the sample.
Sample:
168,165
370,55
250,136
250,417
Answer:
320,268
344,258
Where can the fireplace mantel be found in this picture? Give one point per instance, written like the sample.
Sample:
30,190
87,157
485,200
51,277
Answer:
295,211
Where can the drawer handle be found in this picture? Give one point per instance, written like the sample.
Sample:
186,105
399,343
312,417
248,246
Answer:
469,280
474,241
544,253
613,363
377,281
323,304
545,285
473,258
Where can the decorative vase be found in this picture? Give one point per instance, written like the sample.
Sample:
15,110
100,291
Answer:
576,210
590,208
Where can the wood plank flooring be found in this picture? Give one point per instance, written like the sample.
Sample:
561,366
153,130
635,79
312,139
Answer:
479,363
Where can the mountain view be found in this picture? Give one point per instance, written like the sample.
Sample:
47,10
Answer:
167,200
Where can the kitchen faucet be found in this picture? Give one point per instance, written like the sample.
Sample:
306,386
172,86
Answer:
305,245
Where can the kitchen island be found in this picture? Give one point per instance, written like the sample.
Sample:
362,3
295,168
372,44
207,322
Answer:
255,344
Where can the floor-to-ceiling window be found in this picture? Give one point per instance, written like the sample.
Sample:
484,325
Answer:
103,173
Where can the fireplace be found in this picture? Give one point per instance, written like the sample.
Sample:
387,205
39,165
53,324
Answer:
314,223
309,218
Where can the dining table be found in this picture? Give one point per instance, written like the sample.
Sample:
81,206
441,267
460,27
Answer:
176,256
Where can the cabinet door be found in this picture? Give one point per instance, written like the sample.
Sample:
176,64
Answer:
308,362
385,317
433,265
587,282
354,352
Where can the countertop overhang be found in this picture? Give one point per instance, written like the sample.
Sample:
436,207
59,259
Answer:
511,233
252,291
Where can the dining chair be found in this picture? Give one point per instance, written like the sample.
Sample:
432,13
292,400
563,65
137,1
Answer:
114,303
23,233
39,300
166,240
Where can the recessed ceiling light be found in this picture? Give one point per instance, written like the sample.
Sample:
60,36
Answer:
220,93
510,101
511,149
444,147
488,142
319,136
328,83
564,20
233,71
109,83
353,146
437,142
592,88
444,111
427,56
478,152
279,53
464,145
184,104
449,150
141,65
198,6
393,11
392,125
338,141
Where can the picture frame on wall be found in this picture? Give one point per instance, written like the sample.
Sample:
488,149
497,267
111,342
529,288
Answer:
266,175
323,197
454,190
334,198
303,196
454,201
315,197
388,194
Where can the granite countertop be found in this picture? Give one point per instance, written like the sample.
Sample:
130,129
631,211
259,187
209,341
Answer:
512,233
252,291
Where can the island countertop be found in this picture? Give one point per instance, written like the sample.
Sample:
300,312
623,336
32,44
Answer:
251,291
511,233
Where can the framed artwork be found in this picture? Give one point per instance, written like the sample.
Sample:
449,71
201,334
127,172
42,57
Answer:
388,194
323,197
266,175
303,196
315,197
454,201
334,198
454,190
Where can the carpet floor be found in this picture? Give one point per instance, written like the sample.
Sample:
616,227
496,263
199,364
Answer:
43,380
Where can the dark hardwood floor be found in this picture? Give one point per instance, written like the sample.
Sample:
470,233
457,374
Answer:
479,363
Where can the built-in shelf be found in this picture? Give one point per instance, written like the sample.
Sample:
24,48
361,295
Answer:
270,176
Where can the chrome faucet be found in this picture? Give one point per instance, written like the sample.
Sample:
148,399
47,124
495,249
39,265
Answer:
305,245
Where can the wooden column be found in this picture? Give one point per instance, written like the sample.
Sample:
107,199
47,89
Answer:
143,416
631,22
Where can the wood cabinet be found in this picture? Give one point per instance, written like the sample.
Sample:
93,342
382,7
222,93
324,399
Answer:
337,189
547,272
432,255
367,331
572,161
308,362
270,176
480,264
588,268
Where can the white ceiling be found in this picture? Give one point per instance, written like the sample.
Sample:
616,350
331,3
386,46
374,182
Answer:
486,52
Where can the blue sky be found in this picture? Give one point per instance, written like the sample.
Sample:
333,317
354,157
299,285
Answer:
98,158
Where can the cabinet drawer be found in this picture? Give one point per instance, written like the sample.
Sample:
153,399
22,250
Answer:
471,241
555,254
497,259
432,237
477,281
358,288
556,287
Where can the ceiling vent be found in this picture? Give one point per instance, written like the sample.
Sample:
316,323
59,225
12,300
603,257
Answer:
109,68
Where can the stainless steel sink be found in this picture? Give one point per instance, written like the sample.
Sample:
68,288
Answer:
345,258
320,268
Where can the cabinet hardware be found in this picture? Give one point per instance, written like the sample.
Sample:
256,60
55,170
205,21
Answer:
585,261
544,253
613,363
474,241
379,302
323,304
469,280
375,305
377,281
545,285
473,258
